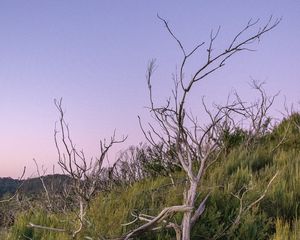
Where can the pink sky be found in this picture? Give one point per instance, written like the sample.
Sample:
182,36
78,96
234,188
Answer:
94,54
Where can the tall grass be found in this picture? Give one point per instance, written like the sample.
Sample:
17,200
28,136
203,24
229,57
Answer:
275,217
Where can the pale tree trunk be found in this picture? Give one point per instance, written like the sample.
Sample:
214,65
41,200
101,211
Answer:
81,217
81,209
189,201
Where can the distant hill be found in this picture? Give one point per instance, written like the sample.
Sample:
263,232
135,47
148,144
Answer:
8,186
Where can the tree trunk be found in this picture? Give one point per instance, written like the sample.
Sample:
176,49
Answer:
81,217
189,201
81,209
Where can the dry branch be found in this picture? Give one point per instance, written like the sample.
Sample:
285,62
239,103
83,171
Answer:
195,150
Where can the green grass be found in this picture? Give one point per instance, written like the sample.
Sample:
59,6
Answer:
275,217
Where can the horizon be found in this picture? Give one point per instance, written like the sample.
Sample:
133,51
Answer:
94,55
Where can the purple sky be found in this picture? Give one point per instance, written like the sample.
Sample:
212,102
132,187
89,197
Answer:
94,54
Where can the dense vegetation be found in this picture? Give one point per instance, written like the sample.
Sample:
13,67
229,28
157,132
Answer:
241,170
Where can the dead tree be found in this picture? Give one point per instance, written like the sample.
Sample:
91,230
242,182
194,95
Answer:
256,113
248,122
195,145
85,173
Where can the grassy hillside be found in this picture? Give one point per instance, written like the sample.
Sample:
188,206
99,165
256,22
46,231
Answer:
242,171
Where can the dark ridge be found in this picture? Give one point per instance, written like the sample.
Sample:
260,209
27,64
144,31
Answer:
31,186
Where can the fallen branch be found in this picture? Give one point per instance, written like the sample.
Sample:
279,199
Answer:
46,228
159,218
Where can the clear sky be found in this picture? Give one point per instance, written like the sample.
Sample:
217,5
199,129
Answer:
94,54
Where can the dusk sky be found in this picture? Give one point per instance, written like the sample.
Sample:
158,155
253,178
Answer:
94,55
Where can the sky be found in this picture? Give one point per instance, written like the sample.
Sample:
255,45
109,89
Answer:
94,55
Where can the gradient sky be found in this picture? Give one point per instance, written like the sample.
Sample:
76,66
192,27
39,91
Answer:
94,54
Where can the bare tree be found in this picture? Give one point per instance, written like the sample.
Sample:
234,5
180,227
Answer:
46,191
85,173
195,146
259,122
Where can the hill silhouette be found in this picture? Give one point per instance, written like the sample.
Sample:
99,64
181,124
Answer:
32,186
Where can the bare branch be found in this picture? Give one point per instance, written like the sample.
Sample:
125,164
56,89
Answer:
46,228
159,218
